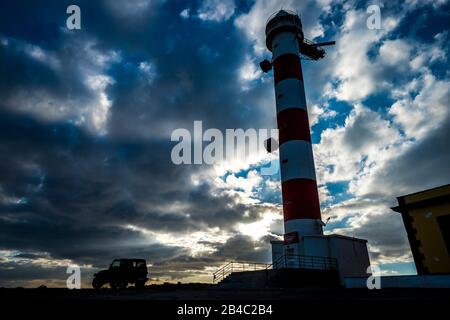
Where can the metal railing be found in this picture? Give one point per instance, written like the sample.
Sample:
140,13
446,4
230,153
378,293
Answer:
304,262
235,266
284,261
294,13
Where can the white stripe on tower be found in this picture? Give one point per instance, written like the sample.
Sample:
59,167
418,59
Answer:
285,42
290,93
297,160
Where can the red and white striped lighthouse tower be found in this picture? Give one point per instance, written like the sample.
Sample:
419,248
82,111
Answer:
298,179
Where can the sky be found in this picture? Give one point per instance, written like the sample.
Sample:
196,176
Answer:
86,118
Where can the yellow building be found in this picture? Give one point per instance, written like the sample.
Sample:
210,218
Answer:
426,215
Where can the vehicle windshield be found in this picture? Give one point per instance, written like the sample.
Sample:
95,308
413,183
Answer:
141,264
115,264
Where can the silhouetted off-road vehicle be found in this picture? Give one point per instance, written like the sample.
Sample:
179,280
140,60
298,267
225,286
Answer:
121,272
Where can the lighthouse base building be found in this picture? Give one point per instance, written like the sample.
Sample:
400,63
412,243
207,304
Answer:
346,256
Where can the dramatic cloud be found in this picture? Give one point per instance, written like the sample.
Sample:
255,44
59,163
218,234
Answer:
216,10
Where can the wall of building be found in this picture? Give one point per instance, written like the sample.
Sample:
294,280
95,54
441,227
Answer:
352,256
426,216
436,257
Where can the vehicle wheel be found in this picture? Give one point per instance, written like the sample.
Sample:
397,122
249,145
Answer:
114,285
139,284
123,285
97,284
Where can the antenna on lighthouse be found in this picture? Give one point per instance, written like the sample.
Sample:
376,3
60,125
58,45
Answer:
313,51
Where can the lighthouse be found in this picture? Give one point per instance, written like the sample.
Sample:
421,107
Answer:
304,245
301,208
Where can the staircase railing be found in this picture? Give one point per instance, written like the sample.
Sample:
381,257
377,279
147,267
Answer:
284,261
235,266
304,262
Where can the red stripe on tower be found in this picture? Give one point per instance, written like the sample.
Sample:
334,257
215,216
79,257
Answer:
293,125
287,66
300,199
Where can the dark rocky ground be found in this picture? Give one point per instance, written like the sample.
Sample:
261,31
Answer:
210,292
165,302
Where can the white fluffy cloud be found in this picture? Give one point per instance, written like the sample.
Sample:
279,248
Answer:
427,110
394,52
249,72
100,108
351,66
363,141
317,112
376,222
216,10
382,158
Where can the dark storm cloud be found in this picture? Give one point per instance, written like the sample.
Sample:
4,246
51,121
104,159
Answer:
79,192
11,272
195,63
71,193
196,68
27,25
